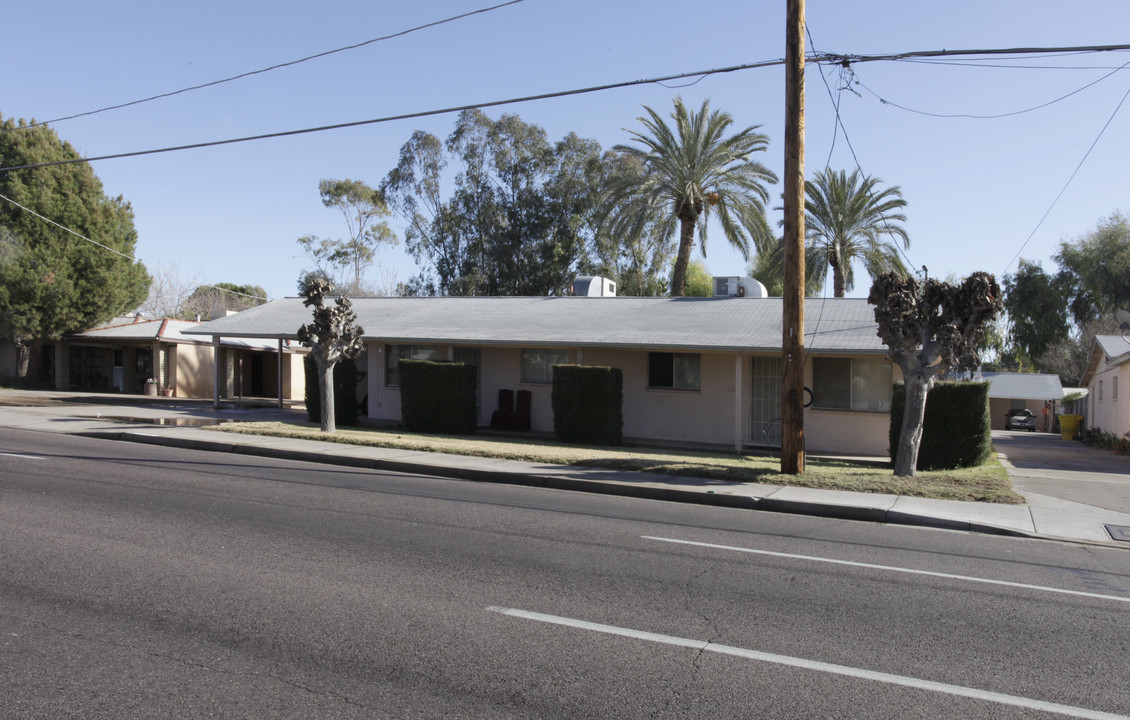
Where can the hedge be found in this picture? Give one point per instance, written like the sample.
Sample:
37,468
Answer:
438,397
588,404
956,430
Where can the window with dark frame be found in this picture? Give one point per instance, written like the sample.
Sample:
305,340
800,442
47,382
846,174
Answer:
856,384
537,364
395,353
674,371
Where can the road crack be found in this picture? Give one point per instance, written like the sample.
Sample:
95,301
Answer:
676,693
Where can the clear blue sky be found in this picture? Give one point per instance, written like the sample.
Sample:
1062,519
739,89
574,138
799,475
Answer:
975,188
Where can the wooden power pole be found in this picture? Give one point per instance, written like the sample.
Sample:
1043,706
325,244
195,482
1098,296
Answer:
792,327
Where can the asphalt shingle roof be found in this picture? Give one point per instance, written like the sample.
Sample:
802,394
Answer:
175,331
1113,345
831,325
1023,386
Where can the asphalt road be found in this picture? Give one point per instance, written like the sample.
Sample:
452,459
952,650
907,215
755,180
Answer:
1048,465
146,582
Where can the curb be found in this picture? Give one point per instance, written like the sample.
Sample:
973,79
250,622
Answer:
559,482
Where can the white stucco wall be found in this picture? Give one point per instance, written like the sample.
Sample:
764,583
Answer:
1110,413
704,416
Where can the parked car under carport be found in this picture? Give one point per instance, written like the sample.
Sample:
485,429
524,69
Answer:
1021,419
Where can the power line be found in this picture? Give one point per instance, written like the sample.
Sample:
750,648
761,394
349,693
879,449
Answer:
835,58
1080,49
67,229
816,58
840,125
272,67
1000,115
408,116
107,247
1066,184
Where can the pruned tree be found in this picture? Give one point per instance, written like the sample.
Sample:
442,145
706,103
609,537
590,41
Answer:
332,337
929,328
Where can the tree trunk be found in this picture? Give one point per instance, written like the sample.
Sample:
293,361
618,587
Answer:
683,259
837,280
326,386
910,439
23,357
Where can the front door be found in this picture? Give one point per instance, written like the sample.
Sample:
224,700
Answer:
765,400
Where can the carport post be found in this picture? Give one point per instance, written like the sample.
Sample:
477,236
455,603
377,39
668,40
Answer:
280,378
216,358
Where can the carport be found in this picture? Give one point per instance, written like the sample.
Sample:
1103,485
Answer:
1014,391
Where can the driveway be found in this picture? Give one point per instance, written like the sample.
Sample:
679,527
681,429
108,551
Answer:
1042,465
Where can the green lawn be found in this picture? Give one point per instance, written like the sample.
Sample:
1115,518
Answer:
988,483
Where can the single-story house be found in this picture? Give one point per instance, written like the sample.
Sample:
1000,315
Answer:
702,371
136,355
1107,379
1014,391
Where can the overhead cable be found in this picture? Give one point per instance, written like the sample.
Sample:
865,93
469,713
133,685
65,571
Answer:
992,117
407,116
272,67
815,58
107,247
840,124
1066,184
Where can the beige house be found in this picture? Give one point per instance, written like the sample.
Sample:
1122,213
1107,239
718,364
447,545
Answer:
697,371
1107,379
139,356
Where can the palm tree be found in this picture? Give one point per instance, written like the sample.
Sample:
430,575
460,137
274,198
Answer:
687,172
845,221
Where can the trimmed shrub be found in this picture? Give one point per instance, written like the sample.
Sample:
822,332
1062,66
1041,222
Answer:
438,397
588,404
956,430
345,392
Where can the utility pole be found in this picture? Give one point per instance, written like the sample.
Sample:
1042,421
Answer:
792,326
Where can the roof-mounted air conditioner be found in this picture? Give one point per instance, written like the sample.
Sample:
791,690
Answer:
734,286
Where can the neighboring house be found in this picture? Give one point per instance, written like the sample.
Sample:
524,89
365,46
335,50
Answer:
1014,391
700,371
125,355
1107,379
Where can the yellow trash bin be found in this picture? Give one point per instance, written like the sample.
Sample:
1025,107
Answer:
1069,425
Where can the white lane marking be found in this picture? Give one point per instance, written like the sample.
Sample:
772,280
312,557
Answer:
25,457
902,680
892,568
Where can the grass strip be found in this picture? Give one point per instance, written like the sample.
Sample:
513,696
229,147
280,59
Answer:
987,483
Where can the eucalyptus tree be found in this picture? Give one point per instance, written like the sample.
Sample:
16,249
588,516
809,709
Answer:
496,208
846,219
687,173
363,209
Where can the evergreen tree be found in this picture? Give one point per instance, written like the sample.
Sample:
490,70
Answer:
53,282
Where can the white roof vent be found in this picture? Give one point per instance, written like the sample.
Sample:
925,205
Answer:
593,286
733,286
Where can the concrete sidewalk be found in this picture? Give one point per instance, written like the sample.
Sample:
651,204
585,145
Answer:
137,419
